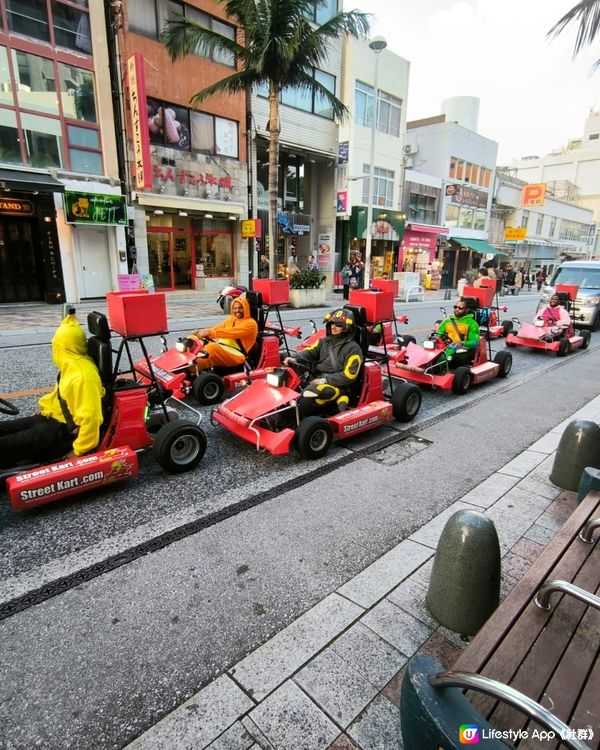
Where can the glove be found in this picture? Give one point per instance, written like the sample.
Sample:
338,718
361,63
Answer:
450,351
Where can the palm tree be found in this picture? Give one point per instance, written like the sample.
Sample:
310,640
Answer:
587,12
280,48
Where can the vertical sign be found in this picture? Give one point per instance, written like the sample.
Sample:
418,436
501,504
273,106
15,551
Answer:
139,121
324,255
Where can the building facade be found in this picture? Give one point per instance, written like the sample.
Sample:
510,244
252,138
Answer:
63,213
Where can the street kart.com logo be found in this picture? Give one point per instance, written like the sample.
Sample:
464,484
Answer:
468,734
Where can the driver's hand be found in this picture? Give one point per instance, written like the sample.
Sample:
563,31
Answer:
202,333
318,381
289,361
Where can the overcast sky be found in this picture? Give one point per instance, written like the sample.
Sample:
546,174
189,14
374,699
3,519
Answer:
534,96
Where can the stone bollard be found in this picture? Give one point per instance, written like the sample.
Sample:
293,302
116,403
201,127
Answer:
464,588
588,482
579,447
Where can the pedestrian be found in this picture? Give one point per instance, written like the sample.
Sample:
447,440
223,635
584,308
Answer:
529,281
69,417
358,271
540,277
482,274
518,282
263,267
312,264
509,279
346,274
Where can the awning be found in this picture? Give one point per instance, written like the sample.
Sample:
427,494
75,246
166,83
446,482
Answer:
479,246
191,204
28,182
427,228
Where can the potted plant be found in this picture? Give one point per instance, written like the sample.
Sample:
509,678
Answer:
306,289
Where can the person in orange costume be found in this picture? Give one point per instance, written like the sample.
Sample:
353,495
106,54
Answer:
231,340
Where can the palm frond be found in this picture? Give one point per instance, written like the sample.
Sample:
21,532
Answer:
183,37
587,13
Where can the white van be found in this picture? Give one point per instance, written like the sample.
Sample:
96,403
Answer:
586,275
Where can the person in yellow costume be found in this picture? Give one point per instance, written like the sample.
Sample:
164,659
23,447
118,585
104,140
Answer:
70,416
231,340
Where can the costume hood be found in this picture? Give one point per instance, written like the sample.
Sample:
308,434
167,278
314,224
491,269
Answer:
245,306
68,342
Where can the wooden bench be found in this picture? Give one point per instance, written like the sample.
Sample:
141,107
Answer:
552,656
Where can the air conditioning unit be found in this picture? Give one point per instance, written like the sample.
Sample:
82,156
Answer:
410,149
408,162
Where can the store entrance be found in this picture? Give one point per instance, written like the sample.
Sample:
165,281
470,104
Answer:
21,269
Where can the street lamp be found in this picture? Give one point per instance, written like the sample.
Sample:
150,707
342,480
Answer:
377,44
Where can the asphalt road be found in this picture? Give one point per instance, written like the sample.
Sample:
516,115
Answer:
169,580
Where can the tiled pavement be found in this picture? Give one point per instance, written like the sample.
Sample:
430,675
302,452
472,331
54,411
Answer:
331,679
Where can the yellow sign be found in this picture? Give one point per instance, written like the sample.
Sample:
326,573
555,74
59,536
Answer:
533,195
250,227
515,234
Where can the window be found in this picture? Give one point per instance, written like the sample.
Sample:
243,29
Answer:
594,136
383,187
323,11
363,104
168,125
35,83
322,106
525,219
10,153
539,224
142,17
307,100
87,158
78,94
480,219
453,166
71,27
389,110
451,215
6,88
552,227
28,17
43,141
422,208
573,230
465,217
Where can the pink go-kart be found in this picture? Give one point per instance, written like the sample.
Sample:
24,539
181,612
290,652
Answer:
175,371
554,338
266,414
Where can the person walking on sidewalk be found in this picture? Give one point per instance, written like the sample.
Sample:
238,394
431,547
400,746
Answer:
346,273
69,419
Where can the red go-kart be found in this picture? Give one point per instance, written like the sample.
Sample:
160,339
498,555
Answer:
426,364
488,310
266,414
175,368
137,417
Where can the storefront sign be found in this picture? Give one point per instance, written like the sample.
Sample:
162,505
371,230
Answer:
342,201
515,234
343,152
139,121
184,178
95,208
467,196
324,254
251,228
533,195
16,207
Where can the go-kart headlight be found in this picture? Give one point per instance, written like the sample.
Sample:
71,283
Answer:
182,345
429,344
539,322
276,378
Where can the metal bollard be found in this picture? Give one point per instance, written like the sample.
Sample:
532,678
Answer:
579,447
589,481
464,588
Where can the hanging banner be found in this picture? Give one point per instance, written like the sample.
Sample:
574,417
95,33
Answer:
139,121
324,255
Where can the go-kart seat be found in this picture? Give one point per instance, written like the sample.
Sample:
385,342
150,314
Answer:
257,313
99,347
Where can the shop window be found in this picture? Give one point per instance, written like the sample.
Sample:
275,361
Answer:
35,83
71,27
168,125
28,17
451,216
465,217
43,141
10,153
78,94
203,136
479,219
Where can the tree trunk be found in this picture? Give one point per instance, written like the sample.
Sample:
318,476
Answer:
274,129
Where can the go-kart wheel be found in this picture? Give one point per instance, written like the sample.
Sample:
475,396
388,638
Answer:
7,408
507,326
313,437
208,388
462,380
563,347
406,401
586,336
179,446
505,360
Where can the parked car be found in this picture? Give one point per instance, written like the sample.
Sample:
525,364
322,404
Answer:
586,275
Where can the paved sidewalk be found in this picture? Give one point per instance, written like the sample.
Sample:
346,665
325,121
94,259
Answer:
331,679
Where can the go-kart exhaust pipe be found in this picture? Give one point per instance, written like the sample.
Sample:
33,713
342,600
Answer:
46,484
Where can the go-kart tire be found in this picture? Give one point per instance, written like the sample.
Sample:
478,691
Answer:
505,360
507,326
208,388
7,408
586,336
313,437
179,446
563,347
462,380
406,401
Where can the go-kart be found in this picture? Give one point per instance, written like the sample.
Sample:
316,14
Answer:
428,364
488,309
559,339
175,368
137,417
266,414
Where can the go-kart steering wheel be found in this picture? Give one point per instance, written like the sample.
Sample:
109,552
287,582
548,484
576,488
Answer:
7,408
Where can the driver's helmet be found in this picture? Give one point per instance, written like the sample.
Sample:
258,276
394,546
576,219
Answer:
341,317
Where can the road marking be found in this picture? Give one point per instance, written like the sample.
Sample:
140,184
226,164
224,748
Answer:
28,392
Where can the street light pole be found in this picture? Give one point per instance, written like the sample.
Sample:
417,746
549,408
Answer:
377,44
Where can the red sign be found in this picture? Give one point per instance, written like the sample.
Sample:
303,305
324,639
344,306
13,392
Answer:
139,121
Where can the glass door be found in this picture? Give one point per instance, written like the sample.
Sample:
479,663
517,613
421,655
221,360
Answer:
182,260
159,259
20,262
